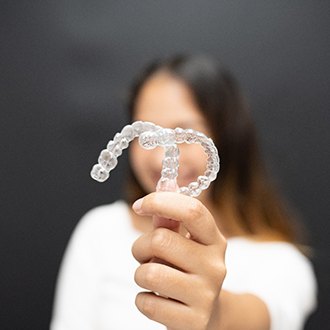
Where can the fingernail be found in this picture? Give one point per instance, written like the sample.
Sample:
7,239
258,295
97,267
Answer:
137,205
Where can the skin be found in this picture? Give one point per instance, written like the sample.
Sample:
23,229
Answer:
168,103
192,254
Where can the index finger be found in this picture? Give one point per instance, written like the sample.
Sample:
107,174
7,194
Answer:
195,217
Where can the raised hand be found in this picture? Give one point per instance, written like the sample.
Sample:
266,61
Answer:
183,292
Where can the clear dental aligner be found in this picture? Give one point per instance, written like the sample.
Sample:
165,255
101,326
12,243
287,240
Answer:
150,136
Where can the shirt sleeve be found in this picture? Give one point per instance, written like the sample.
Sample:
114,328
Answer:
282,278
77,281
290,295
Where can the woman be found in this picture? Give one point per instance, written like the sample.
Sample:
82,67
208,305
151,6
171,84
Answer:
231,261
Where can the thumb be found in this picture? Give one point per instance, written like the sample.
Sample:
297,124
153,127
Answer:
166,185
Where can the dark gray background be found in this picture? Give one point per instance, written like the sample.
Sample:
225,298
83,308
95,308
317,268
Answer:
65,69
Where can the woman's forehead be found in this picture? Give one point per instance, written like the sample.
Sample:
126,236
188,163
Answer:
168,102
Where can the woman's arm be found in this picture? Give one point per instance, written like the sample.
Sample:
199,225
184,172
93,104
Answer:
184,291
240,311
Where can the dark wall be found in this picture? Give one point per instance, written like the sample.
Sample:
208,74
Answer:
65,68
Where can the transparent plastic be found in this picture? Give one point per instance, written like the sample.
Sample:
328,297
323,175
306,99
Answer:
151,136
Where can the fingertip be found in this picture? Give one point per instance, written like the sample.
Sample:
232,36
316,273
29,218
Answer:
137,205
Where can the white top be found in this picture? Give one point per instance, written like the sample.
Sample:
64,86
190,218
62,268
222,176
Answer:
96,288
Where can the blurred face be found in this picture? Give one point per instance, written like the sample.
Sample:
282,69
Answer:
166,101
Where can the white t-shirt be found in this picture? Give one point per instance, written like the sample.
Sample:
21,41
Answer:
96,288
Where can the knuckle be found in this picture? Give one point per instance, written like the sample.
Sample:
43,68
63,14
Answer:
223,271
224,243
149,201
134,250
216,270
210,295
160,241
217,263
219,270
138,276
195,209
148,276
146,305
154,200
152,276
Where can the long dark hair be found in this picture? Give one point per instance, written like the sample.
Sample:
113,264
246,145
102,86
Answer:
243,179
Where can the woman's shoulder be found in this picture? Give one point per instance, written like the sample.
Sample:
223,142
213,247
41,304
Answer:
270,250
268,259
100,212
275,271
104,220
